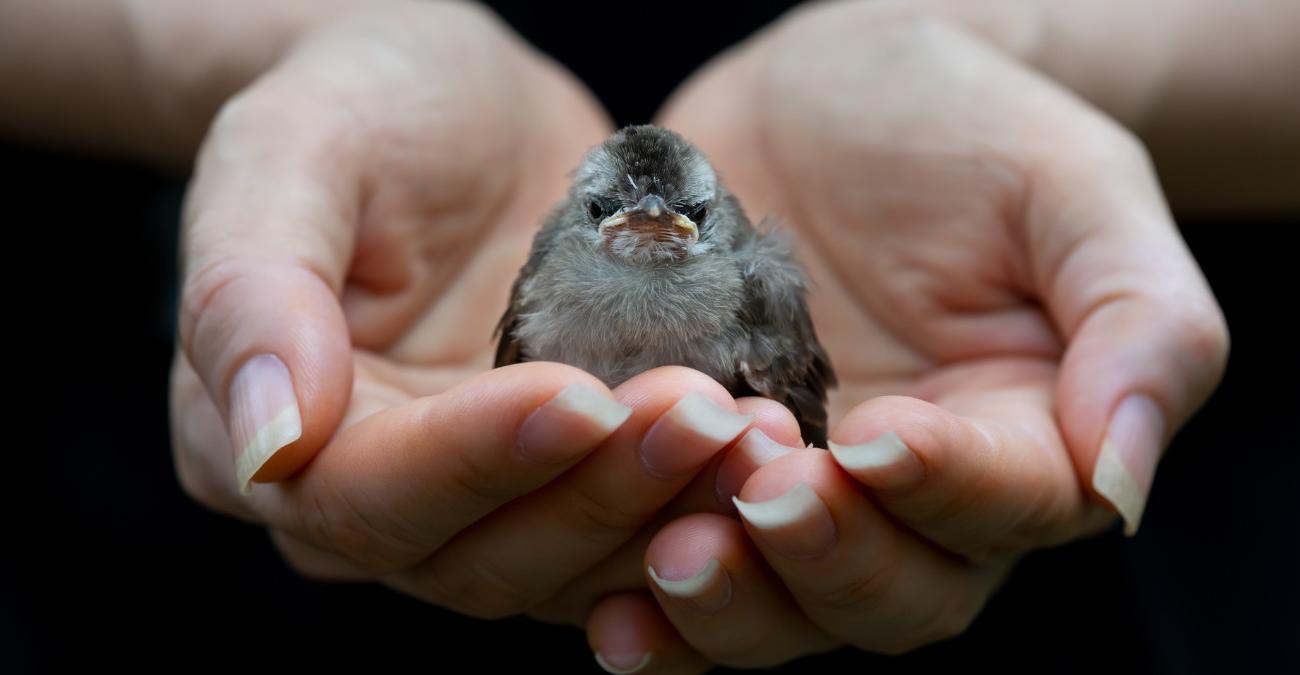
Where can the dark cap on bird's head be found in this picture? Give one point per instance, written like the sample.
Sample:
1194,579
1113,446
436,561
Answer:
647,194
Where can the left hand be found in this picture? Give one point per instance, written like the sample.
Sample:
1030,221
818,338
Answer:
1000,286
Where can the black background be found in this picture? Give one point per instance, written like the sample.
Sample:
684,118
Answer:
105,561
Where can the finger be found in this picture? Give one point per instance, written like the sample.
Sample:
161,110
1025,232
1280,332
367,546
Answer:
267,240
623,570
628,634
1147,341
775,433
854,573
985,483
314,562
402,482
713,586
527,551
201,445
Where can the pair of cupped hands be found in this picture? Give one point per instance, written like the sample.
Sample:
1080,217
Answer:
1017,328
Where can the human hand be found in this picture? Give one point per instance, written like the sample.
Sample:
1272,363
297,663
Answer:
1001,288
355,220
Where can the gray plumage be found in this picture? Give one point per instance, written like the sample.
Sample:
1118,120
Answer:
651,262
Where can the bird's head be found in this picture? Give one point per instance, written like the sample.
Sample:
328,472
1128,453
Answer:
646,194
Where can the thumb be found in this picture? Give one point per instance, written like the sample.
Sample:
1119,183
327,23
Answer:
1147,343
267,240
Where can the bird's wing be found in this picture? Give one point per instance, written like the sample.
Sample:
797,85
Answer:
784,360
508,348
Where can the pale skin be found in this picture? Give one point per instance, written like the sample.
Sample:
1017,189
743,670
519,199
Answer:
977,190
1007,354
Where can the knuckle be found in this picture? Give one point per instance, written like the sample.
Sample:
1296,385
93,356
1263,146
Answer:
1098,143
334,521
478,485
306,564
298,564
1127,145
750,650
476,589
862,590
937,620
950,619
1048,515
234,111
1204,333
201,290
260,112
599,522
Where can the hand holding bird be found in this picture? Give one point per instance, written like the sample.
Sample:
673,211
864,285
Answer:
1016,326
1009,358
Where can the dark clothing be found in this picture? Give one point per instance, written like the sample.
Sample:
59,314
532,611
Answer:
105,561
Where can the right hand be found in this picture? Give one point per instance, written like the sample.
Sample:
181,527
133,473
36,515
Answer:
355,220
1016,324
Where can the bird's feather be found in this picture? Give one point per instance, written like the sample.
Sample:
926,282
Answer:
784,360
733,306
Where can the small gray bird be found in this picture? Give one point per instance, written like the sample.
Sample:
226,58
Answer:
651,262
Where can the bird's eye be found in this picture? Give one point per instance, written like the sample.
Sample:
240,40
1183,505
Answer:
597,210
699,212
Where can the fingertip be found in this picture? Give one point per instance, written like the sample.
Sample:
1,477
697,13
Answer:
628,633
810,467
673,382
754,450
546,411
283,379
893,442
686,545
776,420
577,416
1126,465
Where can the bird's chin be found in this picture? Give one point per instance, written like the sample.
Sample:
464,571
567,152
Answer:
646,246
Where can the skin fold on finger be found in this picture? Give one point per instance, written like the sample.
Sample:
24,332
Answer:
726,603
314,562
527,551
854,573
623,570
983,473
628,634
400,483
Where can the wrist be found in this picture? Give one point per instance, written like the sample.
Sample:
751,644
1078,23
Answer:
192,56
1116,55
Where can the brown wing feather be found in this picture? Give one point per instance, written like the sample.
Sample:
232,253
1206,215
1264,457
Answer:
785,360
798,380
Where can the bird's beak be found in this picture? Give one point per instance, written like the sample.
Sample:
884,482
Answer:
652,212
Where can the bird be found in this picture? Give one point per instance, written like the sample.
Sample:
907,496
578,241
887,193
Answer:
650,261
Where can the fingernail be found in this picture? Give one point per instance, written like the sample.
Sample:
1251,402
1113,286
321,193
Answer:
574,420
754,450
263,415
1127,462
623,664
686,436
709,589
885,461
797,524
